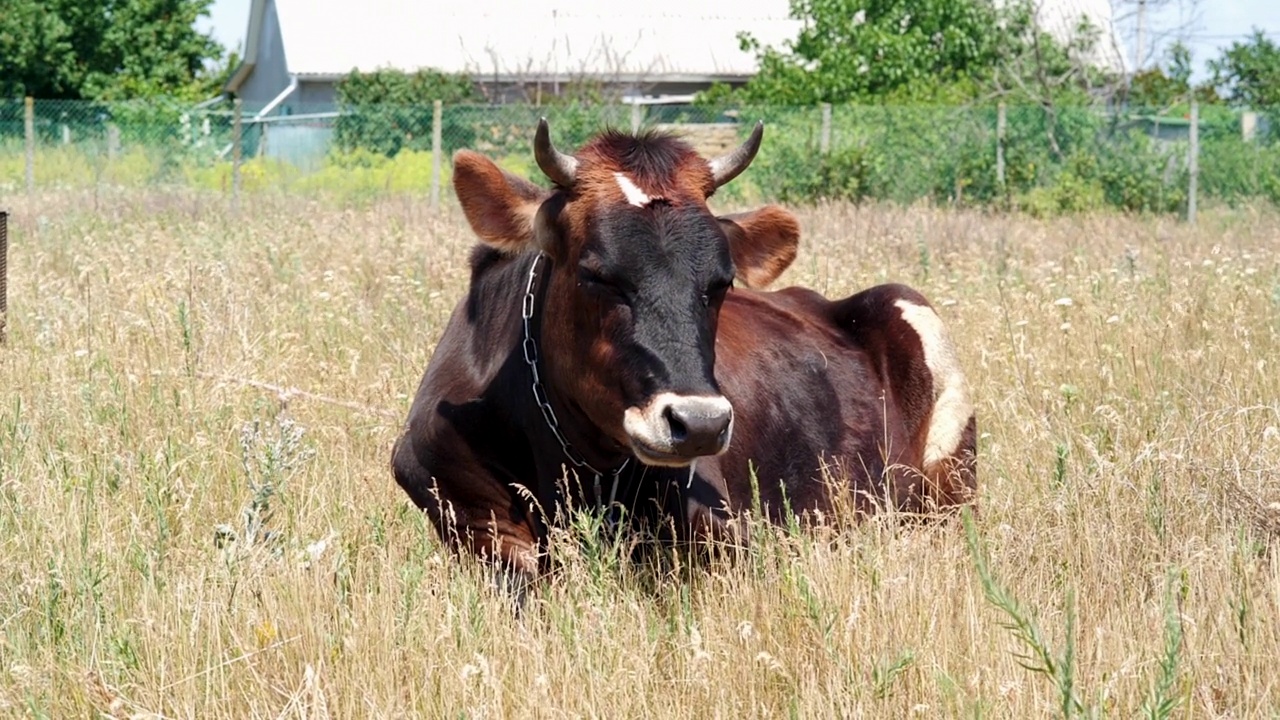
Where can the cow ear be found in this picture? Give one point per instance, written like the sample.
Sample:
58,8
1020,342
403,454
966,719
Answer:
763,243
499,206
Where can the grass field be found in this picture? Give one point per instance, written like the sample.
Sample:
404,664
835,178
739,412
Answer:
198,519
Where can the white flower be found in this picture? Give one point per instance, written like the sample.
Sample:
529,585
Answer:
859,18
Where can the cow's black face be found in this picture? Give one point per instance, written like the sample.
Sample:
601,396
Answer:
649,283
641,267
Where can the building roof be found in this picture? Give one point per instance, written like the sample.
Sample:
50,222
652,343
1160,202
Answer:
518,37
691,40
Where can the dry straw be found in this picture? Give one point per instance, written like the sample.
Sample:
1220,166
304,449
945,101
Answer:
180,541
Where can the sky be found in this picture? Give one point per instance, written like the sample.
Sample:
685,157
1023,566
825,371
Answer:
1206,25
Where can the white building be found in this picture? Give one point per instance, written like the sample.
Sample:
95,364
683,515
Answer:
295,50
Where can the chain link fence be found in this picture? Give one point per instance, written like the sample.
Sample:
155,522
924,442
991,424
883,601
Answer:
1041,160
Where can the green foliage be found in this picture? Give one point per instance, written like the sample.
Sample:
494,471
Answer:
106,49
387,111
851,49
1165,694
1167,85
393,87
1250,71
915,52
1037,657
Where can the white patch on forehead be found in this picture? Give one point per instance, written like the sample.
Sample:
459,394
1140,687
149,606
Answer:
634,194
951,406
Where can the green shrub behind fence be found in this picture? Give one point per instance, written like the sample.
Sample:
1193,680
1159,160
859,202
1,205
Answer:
1064,160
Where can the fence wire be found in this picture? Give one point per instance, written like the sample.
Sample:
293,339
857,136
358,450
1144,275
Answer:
1039,159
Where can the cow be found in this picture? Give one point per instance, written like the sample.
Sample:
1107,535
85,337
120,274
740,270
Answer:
617,331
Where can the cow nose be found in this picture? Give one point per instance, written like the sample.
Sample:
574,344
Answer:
698,425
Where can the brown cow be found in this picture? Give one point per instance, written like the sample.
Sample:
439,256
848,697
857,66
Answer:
603,333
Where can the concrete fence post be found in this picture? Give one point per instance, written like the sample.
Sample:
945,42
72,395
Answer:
1248,125
1193,162
29,118
113,141
1001,121
637,117
237,136
824,140
437,148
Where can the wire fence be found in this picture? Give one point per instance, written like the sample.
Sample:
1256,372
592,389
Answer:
1043,160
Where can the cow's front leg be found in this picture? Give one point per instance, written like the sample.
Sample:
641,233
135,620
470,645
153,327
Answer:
472,510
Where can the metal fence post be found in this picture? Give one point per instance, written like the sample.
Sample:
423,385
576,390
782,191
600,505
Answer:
1000,131
113,141
437,147
4,274
1193,162
237,133
824,140
29,117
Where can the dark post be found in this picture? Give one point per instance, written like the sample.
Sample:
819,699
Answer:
824,139
4,274
1000,131
29,130
1193,162
237,135
437,149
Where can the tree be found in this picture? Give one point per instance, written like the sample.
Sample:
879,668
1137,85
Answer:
857,49
106,49
1249,71
1167,85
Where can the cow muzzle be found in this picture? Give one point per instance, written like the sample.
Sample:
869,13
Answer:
674,430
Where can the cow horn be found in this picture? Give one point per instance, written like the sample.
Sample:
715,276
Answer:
730,165
559,167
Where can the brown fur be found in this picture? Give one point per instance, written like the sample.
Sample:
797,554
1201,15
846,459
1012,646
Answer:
812,382
764,243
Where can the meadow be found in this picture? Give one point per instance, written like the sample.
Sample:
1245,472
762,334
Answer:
198,518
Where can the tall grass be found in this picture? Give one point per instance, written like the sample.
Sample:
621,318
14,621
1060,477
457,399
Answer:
197,515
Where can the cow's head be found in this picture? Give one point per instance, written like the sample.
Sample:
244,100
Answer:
639,269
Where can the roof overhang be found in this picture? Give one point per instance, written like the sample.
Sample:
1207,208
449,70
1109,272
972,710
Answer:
565,78
257,11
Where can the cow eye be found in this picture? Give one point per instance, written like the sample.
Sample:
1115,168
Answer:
716,291
595,282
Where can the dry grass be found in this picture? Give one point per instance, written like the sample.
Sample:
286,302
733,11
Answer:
177,542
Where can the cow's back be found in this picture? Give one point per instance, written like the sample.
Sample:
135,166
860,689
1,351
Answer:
843,391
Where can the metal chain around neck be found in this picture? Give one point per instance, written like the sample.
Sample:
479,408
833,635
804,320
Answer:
530,348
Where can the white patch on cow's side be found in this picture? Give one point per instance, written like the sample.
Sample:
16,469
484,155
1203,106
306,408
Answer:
634,195
951,406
